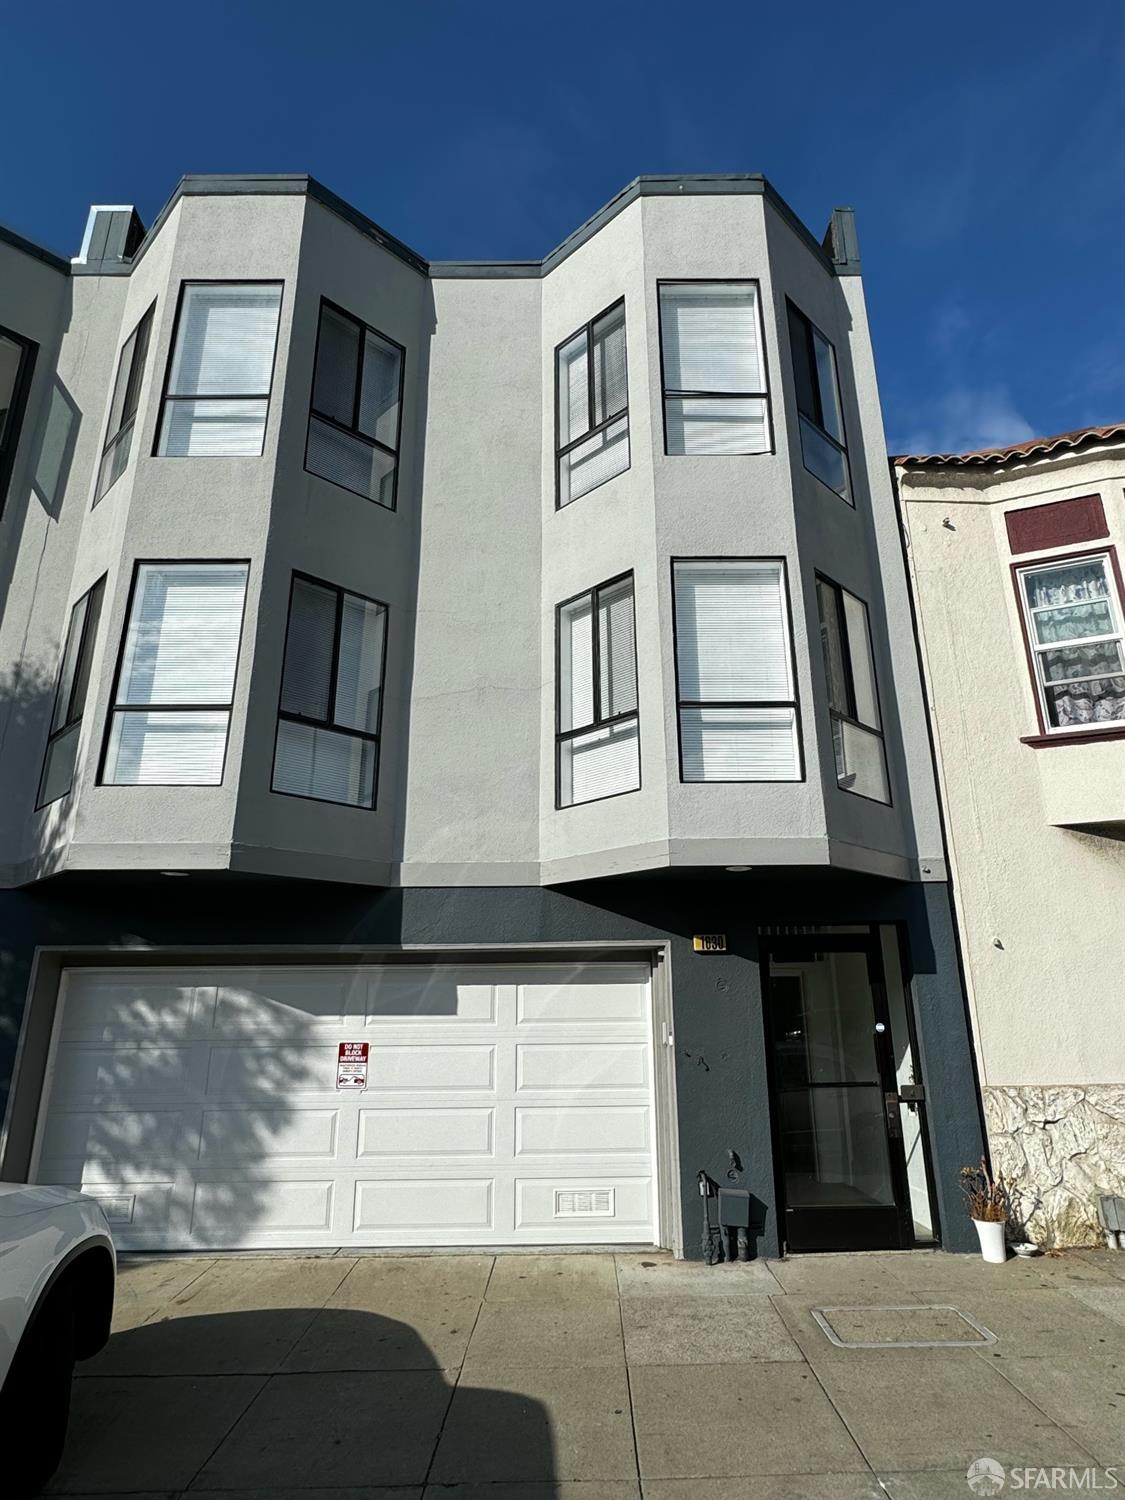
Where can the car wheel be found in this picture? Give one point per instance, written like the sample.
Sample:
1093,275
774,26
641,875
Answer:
37,1395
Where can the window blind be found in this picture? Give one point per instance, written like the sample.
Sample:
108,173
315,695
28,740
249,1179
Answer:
331,691
222,366
709,337
592,394
714,378
598,742
176,679
738,718
731,632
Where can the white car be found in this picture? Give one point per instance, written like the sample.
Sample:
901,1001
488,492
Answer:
57,1273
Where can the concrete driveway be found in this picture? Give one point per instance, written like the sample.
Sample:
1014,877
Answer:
597,1377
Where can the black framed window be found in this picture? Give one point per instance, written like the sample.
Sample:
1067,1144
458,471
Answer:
355,420
853,697
591,406
735,685
123,407
824,447
175,680
598,726
70,696
217,391
17,360
331,704
713,368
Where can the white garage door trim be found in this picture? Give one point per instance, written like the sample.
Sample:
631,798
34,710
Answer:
506,1104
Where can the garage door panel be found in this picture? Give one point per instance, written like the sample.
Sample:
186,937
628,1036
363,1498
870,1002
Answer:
221,1209
582,1066
424,1204
430,1068
269,1134
435,995
587,1205
124,1006
585,1131
266,1003
596,1000
435,1131
112,1138
504,1104
258,1074
103,1075
137,1211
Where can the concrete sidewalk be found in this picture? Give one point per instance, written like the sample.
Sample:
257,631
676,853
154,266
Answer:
598,1377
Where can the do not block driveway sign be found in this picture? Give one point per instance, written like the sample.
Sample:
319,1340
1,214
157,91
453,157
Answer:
351,1065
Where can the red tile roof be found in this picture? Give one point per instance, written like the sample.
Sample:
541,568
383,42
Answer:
1080,437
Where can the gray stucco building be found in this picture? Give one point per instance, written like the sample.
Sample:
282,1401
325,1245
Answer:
466,772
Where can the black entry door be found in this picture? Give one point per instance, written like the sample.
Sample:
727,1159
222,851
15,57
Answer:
841,1168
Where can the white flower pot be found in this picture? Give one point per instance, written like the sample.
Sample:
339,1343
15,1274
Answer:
990,1232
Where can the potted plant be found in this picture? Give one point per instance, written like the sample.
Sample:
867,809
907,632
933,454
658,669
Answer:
987,1201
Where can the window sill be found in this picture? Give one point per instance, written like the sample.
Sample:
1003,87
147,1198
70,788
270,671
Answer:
1075,737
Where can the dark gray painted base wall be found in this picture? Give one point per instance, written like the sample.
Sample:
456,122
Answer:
723,1101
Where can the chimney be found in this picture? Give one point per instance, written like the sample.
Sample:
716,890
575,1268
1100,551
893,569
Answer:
113,232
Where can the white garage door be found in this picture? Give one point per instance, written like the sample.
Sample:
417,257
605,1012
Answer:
502,1105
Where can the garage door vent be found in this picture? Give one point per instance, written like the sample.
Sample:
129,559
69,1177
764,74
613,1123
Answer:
584,1203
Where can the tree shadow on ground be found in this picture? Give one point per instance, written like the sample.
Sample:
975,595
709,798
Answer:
323,1398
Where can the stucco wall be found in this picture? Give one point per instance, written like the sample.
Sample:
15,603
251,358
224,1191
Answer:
1041,907
473,562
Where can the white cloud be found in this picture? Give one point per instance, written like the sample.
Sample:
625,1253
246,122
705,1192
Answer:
964,418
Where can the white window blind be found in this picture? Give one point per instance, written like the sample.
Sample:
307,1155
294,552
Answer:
738,718
355,418
222,366
331,692
714,378
592,396
598,743
176,679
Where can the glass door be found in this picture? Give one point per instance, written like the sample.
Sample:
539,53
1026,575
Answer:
841,1167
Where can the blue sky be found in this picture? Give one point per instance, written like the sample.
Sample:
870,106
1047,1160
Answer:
982,146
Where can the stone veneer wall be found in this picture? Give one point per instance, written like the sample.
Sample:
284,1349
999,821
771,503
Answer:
1061,1146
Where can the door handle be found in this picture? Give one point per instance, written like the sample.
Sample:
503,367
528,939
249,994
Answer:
894,1119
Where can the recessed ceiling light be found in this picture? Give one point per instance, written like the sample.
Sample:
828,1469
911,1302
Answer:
739,869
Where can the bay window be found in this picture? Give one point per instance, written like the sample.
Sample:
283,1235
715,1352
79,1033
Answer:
853,701
331,695
823,445
1072,609
715,394
592,406
356,413
175,680
217,394
736,697
598,729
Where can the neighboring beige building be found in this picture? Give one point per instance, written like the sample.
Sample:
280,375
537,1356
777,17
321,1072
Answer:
1015,558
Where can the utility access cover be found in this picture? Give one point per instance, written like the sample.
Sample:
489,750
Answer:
907,1327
